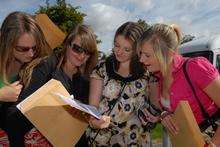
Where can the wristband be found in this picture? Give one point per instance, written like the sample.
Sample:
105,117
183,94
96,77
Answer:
164,114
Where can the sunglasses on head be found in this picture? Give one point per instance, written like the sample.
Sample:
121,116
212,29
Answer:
25,48
78,49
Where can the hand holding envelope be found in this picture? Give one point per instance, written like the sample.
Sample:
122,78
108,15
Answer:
96,120
92,110
50,114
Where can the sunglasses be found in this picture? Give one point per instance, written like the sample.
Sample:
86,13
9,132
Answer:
25,48
79,50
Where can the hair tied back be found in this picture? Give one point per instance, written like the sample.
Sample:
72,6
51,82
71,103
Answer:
177,30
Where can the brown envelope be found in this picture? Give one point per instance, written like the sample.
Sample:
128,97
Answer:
52,33
52,117
189,134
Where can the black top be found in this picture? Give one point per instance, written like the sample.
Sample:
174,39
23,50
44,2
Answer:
111,71
46,70
17,125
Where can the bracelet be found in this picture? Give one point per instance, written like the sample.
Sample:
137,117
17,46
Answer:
163,115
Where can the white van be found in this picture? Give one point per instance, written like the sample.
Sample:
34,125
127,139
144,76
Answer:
208,47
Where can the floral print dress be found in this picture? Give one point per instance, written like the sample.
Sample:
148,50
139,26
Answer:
125,96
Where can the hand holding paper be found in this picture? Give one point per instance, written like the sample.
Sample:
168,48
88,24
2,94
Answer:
101,123
96,120
92,110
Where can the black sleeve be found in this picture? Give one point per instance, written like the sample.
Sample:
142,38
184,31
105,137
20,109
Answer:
80,88
39,77
41,74
17,125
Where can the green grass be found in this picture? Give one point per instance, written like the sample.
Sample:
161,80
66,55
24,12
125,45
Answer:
157,132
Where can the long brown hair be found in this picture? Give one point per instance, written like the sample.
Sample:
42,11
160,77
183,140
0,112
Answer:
132,31
15,25
88,41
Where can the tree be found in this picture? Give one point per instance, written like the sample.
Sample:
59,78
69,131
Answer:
144,24
65,16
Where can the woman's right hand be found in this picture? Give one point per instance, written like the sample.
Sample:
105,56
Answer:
99,123
10,93
169,124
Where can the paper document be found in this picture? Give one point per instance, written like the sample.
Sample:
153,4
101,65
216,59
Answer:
92,110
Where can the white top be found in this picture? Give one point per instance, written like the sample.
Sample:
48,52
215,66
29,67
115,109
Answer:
165,102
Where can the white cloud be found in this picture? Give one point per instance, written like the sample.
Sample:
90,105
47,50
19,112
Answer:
159,19
196,17
143,4
187,4
8,6
138,4
105,19
185,20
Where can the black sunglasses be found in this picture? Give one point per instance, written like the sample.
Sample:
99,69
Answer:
78,49
25,48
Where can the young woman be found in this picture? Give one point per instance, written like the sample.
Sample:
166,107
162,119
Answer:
118,90
71,66
21,41
158,49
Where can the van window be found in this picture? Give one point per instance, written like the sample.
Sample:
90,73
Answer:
218,62
207,54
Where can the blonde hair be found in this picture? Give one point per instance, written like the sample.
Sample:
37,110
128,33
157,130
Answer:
165,40
15,25
88,41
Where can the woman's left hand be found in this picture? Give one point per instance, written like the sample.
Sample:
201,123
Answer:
99,123
169,124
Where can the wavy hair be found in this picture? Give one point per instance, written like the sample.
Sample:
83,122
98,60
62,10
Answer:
13,27
132,31
88,41
165,40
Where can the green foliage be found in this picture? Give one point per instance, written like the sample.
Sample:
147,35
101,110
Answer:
65,16
157,132
144,24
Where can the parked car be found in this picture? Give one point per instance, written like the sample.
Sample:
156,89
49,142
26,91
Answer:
208,47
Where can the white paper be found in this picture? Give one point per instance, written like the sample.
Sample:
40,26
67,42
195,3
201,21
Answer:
92,110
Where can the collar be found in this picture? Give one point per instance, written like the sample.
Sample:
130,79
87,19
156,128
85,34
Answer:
112,74
177,63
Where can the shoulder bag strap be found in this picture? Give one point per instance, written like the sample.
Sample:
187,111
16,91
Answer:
204,113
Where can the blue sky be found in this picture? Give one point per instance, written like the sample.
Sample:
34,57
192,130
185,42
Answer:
195,17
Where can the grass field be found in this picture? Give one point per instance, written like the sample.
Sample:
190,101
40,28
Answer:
157,133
